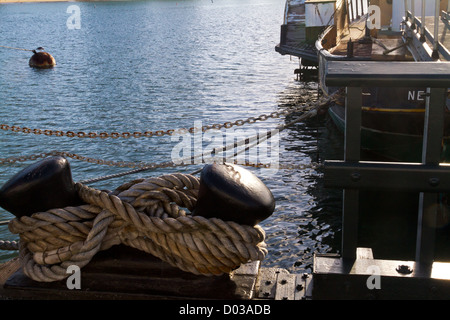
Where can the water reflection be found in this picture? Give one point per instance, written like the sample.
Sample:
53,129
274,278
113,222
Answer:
308,216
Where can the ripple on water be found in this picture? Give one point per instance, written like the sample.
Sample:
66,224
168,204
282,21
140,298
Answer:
159,65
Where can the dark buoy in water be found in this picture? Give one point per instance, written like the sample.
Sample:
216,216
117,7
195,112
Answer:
232,193
41,59
45,185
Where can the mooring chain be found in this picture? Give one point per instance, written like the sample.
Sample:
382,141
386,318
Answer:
143,166
139,166
14,245
16,48
148,134
129,164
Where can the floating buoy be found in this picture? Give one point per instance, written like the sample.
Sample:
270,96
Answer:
41,59
44,185
232,193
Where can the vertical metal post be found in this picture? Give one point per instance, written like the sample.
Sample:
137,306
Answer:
350,7
422,29
435,54
431,154
352,147
406,10
352,17
357,9
413,15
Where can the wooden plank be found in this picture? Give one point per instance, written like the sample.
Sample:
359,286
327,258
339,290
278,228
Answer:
285,287
392,74
352,153
335,278
364,253
359,49
353,103
126,273
399,54
8,268
245,279
303,287
279,284
267,281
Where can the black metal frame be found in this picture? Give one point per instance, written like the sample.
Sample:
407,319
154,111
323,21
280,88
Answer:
353,175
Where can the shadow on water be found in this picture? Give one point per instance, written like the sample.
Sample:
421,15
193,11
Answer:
321,231
308,217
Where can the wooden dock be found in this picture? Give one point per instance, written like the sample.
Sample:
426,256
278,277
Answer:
366,278
123,273
426,277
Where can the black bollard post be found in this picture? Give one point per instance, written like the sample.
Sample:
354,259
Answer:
44,185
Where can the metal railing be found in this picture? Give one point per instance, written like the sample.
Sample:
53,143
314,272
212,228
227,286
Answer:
418,26
427,178
357,8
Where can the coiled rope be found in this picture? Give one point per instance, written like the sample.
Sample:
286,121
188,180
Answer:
145,214
14,245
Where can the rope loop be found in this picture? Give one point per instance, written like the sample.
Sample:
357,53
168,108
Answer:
146,214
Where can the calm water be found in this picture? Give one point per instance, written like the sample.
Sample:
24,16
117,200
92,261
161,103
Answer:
159,65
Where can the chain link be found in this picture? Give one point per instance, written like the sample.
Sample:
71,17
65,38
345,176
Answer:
148,134
123,164
142,166
137,165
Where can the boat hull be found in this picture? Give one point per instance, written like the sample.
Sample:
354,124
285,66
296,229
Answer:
392,135
392,118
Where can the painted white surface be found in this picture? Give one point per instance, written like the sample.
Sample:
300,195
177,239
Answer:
319,13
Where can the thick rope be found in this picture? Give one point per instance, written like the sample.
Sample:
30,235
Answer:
144,214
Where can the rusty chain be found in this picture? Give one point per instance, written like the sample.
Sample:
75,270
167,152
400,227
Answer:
147,134
122,164
142,166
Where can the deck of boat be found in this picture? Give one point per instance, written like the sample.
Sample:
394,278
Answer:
371,50
293,34
386,40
